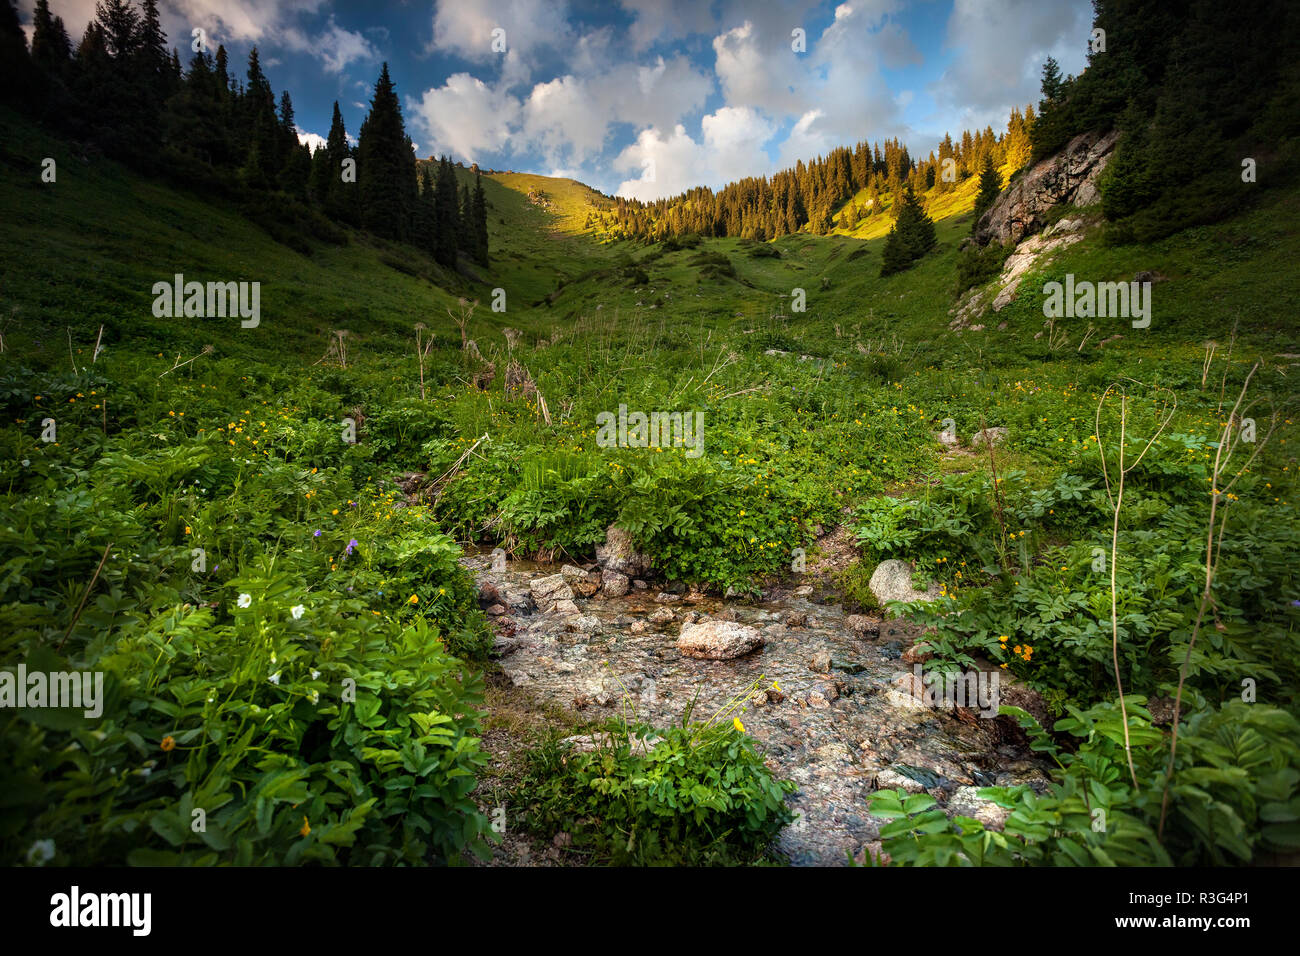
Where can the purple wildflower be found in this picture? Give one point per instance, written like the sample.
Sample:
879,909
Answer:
316,533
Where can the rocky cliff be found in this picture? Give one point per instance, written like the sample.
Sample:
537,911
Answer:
1069,177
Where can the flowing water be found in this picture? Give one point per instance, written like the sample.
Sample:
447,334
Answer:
840,726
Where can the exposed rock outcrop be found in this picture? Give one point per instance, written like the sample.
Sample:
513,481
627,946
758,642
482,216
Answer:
1068,177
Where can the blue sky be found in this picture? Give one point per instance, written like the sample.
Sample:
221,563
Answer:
646,98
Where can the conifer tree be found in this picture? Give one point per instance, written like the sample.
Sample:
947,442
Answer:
17,75
1054,126
990,187
386,165
121,25
479,215
327,162
222,69
423,223
448,216
51,48
151,51
911,237
465,240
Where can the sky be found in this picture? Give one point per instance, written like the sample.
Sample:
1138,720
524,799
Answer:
644,98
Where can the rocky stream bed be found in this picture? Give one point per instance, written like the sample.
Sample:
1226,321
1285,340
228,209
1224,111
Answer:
849,717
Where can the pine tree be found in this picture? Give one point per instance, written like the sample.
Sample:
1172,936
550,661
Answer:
1052,84
151,50
259,128
17,75
1055,122
295,164
223,70
465,238
911,237
386,165
448,216
327,160
479,215
1016,143
296,172
990,187
51,48
424,221
121,26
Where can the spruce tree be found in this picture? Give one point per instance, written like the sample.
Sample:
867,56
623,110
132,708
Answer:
466,241
341,198
121,26
386,165
1055,122
328,159
479,213
990,187
151,52
448,216
51,49
423,223
912,236
222,69
17,75
260,126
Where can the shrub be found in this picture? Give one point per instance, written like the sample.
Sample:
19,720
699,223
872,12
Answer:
977,264
1231,799
695,795
254,737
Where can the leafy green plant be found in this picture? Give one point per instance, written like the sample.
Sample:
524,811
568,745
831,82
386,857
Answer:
697,793
1233,796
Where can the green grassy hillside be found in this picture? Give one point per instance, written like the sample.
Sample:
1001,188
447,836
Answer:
327,559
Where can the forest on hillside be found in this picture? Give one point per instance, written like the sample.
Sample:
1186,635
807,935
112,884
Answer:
1194,88
121,91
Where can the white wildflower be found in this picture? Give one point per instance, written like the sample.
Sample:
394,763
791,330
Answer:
40,852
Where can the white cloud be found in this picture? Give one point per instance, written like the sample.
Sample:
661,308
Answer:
313,141
249,21
753,70
986,78
567,119
75,13
562,118
834,93
654,20
465,116
466,28
335,47
730,147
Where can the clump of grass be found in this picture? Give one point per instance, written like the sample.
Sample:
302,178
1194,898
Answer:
854,583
